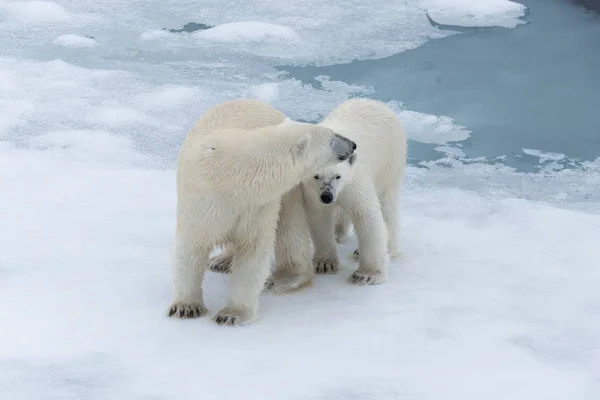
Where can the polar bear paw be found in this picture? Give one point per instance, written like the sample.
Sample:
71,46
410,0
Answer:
365,277
327,266
234,317
394,255
184,311
287,282
341,233
341,236
221,263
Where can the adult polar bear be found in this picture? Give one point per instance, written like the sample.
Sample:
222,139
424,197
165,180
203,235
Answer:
364,189
232,170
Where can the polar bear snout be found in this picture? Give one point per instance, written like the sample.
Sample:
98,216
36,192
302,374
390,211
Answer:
343,147
326,197
353,145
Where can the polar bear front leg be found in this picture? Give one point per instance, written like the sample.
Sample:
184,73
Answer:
188,274
389,208
253,240
322,228
293,253
371,232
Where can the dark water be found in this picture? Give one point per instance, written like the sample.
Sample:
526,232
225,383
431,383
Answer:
592,5
536,86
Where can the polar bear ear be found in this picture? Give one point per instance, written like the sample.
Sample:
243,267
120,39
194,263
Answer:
301,146
352,159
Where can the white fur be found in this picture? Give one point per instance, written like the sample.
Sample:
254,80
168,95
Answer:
293,252
234,166
364,190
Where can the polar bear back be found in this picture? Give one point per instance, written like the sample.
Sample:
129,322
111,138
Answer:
197,168
378,133
237,114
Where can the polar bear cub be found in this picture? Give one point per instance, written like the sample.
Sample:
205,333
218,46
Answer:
231,175
364,188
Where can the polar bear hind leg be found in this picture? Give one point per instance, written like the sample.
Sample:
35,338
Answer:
293,252
342,225
371,231
253,244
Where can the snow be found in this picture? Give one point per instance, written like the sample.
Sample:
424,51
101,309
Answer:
154,34
476,13
496,296
266,92
71,40
36,11
248,31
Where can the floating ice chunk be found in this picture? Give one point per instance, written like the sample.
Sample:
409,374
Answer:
249,31
476,13
36,10
71,40
543,156
451,151
426,128
431,128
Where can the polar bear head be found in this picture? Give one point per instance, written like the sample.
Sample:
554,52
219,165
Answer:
315,146
328,183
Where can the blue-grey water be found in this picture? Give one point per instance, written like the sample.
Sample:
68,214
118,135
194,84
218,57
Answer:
535,87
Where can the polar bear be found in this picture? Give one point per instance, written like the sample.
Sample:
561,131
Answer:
363,189
293,252
231,174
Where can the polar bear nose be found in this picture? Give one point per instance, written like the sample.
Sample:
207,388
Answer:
326,197
353,145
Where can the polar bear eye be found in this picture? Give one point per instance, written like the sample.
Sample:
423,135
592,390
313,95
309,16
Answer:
338,177
316,176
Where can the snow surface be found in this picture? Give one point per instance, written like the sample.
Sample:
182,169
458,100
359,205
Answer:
70,40
497,297
249,31
36,11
